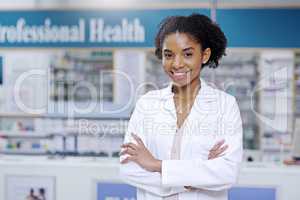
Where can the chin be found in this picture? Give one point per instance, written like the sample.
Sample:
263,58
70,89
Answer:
181,83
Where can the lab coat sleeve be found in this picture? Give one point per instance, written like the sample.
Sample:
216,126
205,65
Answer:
135,175
216,174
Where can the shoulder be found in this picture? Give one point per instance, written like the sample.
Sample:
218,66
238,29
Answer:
219,94
221,104
224,100
226,97
154,96
152,100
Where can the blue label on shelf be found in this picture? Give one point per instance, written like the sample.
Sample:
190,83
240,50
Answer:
35,146
115,191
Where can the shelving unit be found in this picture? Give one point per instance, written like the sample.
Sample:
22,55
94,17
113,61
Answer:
63,136
276,116
74,71
297,85
71,73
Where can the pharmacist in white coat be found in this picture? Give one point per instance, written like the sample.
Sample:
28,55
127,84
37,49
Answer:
184,142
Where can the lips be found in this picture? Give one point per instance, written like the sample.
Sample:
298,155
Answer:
180,75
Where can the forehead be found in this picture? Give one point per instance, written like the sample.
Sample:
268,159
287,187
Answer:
179,40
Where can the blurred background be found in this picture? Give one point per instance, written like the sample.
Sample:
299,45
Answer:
71,72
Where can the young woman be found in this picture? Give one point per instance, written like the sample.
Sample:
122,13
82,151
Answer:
184,141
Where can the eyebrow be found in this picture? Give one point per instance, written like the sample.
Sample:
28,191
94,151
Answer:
189,48
167,50
185,49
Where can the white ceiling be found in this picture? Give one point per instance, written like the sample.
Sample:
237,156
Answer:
137,2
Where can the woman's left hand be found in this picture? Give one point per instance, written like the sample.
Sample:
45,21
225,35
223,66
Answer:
139,154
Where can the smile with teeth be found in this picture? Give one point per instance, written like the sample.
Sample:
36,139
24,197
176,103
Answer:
180,75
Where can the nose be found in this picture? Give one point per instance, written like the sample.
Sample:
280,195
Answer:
178,62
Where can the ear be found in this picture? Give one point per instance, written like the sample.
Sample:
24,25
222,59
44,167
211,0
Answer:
206,55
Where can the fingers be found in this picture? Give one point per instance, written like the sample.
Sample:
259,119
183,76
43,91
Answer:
218,145
128,148
131,148
137,139
189,188
217,153
130,145
128,151
127,159
222,149
218,150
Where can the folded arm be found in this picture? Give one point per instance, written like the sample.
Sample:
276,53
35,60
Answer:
216,174
134,174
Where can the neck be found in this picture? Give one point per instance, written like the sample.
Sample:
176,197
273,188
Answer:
188,91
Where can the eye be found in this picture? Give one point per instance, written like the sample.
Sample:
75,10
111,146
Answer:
188,54
168,55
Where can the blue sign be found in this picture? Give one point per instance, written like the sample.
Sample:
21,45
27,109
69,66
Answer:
137,28
109,28
250,193
119,191
115,191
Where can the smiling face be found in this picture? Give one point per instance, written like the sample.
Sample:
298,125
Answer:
182,58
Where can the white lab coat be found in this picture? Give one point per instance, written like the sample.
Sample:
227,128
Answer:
214,116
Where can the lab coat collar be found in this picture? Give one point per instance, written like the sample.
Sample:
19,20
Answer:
168,95
167,92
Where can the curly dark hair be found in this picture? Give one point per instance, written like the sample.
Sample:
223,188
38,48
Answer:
201,28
